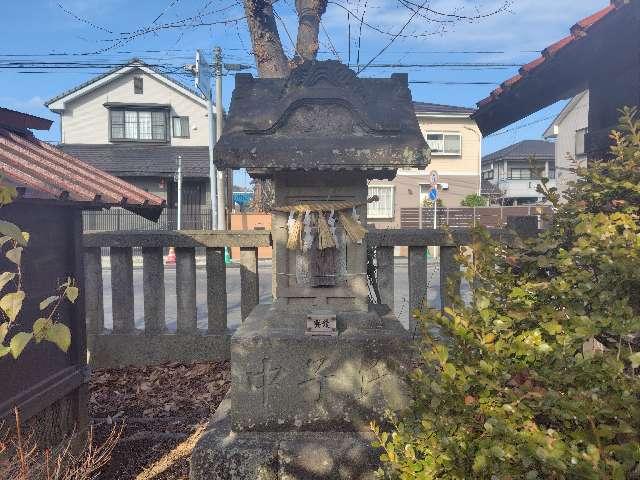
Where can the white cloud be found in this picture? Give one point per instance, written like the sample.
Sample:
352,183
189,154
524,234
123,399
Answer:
23,105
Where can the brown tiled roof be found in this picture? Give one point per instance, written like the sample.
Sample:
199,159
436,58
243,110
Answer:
41,170
578,31
22,120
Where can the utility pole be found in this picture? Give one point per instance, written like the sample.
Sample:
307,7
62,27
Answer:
179,225
220,178
202,73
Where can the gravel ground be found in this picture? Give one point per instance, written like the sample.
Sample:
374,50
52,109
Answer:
163,411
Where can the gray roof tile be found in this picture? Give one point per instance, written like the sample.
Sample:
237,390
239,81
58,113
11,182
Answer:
135,160
425,107
523,151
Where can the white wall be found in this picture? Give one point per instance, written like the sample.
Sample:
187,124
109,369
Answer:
86,119
576,119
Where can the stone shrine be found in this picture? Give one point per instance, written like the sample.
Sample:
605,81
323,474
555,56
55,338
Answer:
310,371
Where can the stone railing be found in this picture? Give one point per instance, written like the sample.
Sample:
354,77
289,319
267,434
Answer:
124,344
418,241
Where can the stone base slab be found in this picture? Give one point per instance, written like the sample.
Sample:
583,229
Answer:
222,454
282,379
110,350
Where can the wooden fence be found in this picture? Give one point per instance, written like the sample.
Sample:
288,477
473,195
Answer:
124,344
468,217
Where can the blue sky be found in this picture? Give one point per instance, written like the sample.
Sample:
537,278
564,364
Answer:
41,30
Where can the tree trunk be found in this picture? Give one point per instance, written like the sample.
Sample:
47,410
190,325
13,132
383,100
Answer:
309,14
271,60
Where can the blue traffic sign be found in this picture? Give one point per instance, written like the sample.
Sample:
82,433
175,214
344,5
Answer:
433,194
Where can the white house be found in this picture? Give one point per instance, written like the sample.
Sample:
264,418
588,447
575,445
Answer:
569,129
134,121
516,170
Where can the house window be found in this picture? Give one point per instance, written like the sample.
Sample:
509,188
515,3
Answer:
580,141
383,208
138,85
181,127
488,175
138,125
445,143
522,174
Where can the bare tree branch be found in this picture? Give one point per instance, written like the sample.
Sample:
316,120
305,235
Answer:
271,60
309,13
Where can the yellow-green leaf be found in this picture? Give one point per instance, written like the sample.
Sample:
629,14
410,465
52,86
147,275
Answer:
4,329
4,240
71,293
26,237
18,342
5,278
11,304
635,359
48,301
4,350
482,303
7,194
40,328
59,334
15,255
13,231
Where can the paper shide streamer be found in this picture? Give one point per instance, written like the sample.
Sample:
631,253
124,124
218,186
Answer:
310,215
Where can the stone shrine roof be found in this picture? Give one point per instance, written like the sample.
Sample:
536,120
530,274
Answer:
322,117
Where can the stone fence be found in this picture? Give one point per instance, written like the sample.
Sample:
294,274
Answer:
124,344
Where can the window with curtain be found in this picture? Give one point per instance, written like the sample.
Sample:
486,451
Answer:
181,127
445,143
383,208
139,125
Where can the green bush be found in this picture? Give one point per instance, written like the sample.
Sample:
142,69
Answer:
537,378
474,200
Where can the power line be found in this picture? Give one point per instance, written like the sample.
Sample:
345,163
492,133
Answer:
438,82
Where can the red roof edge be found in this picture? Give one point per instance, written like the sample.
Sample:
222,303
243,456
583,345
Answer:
28,162
552,49
512,81
577,31
23,121
586,23
529,67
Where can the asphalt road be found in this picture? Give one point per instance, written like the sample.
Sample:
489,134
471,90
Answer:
233,293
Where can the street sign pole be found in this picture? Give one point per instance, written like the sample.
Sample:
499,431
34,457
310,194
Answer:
433,196
435,213
179,179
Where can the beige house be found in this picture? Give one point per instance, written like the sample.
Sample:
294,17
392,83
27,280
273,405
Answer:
456,153
134,122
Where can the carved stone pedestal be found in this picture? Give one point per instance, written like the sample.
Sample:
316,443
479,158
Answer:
222,453
299,406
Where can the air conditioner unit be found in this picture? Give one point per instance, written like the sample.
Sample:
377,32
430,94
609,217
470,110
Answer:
444,186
